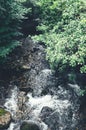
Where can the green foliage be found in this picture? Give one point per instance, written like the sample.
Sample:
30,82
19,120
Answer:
11,14
2,111
63,26
82,92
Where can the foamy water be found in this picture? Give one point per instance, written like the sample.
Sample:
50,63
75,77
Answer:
37,103
11,102
61,106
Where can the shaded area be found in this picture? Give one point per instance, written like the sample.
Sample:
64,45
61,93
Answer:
29,126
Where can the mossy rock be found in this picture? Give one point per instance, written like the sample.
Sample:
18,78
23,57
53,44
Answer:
29,126
2,111
5,118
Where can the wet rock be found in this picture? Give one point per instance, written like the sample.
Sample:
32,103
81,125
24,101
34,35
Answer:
52,121
26,89
5,118
45,112
29,126
50,117
23,110
22,99
26,67
75,88
57,119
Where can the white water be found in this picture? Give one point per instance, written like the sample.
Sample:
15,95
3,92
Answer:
11,127
37,103
11,105
11,102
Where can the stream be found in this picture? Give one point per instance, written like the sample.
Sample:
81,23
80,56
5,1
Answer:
57,111
48,104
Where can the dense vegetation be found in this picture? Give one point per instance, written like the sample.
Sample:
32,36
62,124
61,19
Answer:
63,26
11,14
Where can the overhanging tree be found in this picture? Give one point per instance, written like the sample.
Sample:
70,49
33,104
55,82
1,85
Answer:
63,26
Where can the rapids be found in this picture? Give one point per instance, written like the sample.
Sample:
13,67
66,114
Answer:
63,109
38,97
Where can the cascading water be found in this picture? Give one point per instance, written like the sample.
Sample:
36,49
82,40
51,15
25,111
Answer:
62,116
49,105
37,103
11,102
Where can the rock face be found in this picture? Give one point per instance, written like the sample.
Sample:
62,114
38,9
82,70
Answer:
5,118
29,126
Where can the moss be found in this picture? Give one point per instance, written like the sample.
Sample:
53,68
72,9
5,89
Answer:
2,112
29,126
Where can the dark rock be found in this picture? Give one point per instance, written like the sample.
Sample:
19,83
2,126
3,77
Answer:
26,89
45,112
50,117
29,126
55,119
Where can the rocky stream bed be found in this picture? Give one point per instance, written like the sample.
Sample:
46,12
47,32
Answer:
34,96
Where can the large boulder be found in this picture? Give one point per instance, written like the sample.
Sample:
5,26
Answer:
29,126
5,118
